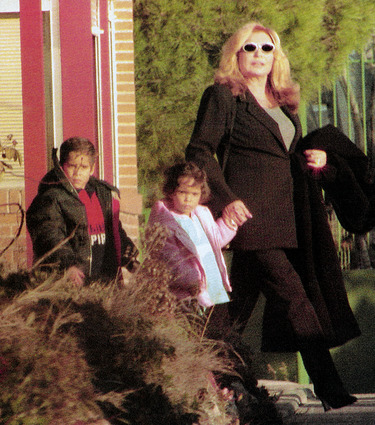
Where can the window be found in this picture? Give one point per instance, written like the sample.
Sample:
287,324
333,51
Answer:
11,125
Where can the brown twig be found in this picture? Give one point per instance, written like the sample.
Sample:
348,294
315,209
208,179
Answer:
20,209
206,324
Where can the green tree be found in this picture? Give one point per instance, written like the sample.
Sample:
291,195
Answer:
177,48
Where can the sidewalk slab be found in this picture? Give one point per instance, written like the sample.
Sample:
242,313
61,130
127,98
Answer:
297,404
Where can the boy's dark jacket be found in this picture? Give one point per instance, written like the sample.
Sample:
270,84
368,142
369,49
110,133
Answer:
57,213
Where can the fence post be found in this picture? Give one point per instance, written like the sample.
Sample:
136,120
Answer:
302,112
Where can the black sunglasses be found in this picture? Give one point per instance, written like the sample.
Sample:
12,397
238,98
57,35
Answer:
252,47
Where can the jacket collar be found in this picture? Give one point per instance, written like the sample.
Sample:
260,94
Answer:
165,217
56,177
261,115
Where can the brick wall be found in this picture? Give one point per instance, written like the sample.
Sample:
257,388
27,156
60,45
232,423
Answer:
131,201
10,221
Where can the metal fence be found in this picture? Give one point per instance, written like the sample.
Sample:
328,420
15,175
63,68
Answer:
349,105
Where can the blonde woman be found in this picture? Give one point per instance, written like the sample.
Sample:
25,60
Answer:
266,184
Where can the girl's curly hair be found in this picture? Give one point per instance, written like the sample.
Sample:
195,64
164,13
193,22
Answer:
185,169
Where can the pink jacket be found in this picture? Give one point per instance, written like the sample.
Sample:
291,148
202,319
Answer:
181,255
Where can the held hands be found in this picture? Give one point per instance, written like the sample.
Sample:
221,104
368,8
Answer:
315,158
236,214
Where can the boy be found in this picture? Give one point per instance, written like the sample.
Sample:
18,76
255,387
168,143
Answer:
71,203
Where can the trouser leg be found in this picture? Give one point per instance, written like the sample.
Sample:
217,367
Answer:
321,369
218,322
327,382
245,286
272,272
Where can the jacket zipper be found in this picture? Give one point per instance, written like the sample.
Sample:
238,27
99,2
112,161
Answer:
88,234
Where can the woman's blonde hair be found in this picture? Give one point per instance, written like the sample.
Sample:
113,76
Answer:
280,83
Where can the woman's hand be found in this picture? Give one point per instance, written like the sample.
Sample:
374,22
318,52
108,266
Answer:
235,214
315,158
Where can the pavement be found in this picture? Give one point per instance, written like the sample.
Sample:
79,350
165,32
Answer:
297,404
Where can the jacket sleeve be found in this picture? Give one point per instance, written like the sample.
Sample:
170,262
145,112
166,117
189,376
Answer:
186,276
47,228
225,233
186,273
209,136
215,228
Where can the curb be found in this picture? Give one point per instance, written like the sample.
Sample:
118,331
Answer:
289,396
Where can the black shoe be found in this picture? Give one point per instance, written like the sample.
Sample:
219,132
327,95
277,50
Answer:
336,401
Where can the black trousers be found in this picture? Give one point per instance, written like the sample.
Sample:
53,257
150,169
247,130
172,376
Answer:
275,272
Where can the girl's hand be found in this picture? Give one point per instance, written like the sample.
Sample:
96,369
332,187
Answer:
230,223
236,214
315,158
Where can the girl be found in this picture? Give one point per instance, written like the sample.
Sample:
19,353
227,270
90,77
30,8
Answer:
194,243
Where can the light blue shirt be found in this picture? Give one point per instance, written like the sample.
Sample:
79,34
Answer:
286,126
194,229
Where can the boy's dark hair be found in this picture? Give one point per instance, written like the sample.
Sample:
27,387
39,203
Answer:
185,169
77,144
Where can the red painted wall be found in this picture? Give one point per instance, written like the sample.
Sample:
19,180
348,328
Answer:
33,101
106,92
77,72
34,125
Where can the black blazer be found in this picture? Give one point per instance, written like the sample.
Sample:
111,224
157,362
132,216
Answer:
258,169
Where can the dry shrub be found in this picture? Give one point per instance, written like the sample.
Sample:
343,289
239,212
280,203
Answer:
107,354
45,377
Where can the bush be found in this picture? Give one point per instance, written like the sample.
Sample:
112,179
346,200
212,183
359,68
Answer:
104,352
115,354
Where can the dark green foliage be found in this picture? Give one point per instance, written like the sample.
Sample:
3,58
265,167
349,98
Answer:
157,409
14,283
177,48
355,360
